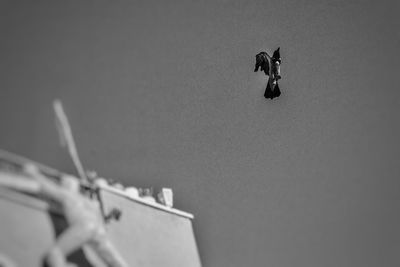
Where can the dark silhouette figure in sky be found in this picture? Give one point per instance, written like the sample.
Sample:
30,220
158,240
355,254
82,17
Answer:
271,67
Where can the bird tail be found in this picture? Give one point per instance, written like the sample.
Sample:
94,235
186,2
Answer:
271,94
276,91
268,92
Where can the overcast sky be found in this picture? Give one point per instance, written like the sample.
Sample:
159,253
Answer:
163,94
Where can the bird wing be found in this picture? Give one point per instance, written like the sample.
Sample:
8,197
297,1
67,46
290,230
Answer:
262,60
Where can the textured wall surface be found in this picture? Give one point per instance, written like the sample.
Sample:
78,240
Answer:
163,93
25,231
144,236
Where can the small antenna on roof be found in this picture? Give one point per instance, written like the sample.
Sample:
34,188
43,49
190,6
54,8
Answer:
67,139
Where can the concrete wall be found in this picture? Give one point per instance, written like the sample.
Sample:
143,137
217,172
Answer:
145,236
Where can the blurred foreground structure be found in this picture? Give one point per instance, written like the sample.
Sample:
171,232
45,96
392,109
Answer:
146,234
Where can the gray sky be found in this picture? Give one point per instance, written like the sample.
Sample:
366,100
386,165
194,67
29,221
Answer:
164,94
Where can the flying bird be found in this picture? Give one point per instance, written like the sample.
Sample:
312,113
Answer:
271,67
